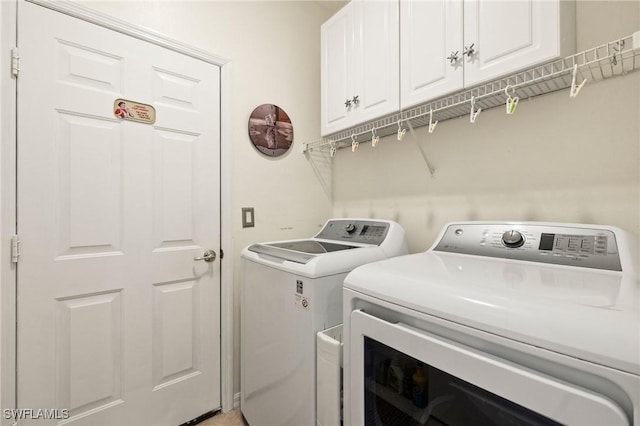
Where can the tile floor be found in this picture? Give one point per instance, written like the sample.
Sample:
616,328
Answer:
230,418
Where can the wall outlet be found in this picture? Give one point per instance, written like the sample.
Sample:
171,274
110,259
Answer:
248,218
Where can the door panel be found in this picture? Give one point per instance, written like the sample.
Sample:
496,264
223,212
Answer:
89,351
376,60
518,26
175,311
117,322
336,69
174,189
87,157
508,36
430,32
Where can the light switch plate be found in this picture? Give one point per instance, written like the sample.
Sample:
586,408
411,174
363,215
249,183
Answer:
248,219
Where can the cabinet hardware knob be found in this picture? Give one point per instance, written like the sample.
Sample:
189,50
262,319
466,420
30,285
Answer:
348,103
453,57
355,100
469,50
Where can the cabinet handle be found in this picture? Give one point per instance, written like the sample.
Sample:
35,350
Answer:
453,57
348,103
355,100
469,50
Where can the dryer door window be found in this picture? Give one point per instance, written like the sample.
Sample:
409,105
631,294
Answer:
400,389
400,374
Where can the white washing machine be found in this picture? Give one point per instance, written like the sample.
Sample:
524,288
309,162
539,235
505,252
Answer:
497,324
290,291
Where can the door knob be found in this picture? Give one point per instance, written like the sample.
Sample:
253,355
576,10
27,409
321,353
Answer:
208,256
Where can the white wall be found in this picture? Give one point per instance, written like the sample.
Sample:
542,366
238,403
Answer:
274,48
556,159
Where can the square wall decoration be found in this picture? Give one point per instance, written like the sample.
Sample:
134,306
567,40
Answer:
270,130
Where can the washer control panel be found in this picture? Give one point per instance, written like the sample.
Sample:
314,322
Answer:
355,230
560,245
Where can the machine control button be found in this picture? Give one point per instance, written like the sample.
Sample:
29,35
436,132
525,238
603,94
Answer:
513,238
350,228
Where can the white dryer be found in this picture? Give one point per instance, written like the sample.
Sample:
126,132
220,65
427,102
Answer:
497,324
290,291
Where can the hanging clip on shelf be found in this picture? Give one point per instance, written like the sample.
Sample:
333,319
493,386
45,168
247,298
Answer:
432,124
401,131
333,148
575,89
512,101
473,114
354,143
374,138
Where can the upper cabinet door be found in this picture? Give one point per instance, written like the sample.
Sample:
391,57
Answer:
510,35
360,64
377,55
430,40
336,46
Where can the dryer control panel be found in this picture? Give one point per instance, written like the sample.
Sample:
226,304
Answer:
355,230
561,245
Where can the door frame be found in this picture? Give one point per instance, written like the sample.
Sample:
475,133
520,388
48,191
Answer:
8,181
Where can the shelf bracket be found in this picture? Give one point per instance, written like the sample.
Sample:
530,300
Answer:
424,154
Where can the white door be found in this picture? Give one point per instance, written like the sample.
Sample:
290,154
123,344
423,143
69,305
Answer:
117,322
377,70
360,64
430,42
336,46
509,35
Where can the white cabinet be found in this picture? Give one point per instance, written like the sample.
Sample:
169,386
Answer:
359,64
336,47
510,35
431,31
450,44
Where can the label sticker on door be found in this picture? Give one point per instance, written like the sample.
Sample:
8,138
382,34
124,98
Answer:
134,111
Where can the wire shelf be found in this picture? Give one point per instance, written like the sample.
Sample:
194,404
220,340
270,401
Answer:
616,58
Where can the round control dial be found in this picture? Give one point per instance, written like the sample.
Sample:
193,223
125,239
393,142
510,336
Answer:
513,238
350,228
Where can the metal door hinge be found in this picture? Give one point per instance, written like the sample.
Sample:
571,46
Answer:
15,62
15,249
221,254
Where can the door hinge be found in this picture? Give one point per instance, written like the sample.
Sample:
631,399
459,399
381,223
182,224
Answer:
15,249
15,62
221,254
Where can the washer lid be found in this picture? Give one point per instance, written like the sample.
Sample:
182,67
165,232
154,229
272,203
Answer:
312,246
584,313
299,251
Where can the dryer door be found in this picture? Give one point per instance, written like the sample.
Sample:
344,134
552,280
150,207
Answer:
404,373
